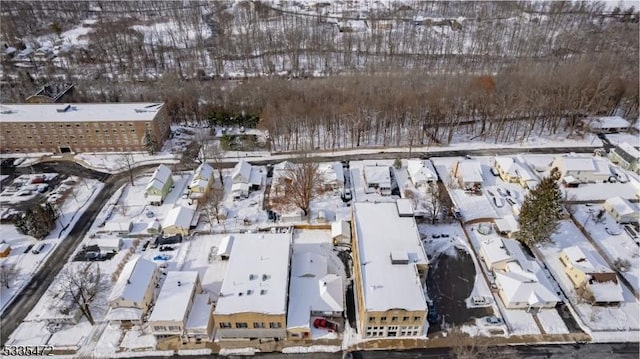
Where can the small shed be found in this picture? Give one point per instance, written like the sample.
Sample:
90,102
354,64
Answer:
224,251
117,227
240,190
621,210
109,244
296,215
341,232
5,250
154,227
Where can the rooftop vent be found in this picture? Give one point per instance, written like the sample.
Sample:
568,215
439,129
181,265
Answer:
252,276
249,291
64,109
265,277
399,257
263,291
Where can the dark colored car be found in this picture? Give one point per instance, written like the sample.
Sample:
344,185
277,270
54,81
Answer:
166,248
325,324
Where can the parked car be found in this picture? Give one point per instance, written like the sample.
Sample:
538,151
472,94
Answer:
150,214
346,196
511,201
498,202
493,320
166,248
631,231
161,257
325,324
39,249
495,172
501,192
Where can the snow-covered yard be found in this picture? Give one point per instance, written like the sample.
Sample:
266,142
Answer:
623,318
551,322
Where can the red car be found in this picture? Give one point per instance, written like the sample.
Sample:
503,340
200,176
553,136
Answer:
325,324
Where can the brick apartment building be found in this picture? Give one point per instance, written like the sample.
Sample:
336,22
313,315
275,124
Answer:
70,128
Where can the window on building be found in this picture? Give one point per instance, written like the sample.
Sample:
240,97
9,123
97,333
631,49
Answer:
241,325
405,319
394,319
275,325
417,319
372,319
174,328
225,325
383,319
258,325
159,328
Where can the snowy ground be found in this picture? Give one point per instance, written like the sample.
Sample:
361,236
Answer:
622,319
551,322
611,239
26,264
115,162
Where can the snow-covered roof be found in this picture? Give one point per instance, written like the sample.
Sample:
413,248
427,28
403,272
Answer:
621,206
4,247
405,207
256,177
175,296
160,176
495,251
521,286
79,112
116,226
507,223
135,278
204,171
608,292
573,163
628,152
132,314
470,170
379,175
601,166
257,275
312,288
240,187
421,171
201,311
109,242
178,216
610,122
586,260
225,246
340,228
332,172
200,183
381,231
242,172
515,168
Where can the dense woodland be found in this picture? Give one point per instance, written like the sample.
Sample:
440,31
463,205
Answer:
334,75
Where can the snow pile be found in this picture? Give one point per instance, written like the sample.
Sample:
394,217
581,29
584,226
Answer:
203,351
238,351
312,349
136,339
108,343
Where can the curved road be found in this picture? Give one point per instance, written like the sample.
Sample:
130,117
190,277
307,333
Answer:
24,302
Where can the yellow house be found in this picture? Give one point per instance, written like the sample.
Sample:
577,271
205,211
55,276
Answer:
586,269
178,221
133,293
172,309
202,181
199,326
390,266
513,171
253,296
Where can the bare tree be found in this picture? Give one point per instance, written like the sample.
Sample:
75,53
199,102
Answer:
81,285
439,202
127,162
301,184
213,204
8,272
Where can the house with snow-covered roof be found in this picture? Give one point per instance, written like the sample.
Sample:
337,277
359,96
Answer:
468,173
390,266
253,298
133,293
609,124
199,327
174,303
377,178
333,175
587,270
515,171
245,179
202,181
626,156
421,172
313,292
341,232
521,281
582,169
178,221
621,210
159,185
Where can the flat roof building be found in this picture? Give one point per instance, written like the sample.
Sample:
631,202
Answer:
253,297
390,268
174,303
81,127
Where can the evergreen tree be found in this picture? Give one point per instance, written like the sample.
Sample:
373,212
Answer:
541,211
37,221
149,142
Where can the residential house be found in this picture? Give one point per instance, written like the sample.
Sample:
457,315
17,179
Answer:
134,291
621,210
280,178
175,301
609,124
313,292
341,232
333,175
422,173
377,179
582,169
626,156
199,327
253,296
515,171
507,225
178,221
588,271
521,282
109,244
202,181
390,266
468,173
245,179
159,185
81,127
116,227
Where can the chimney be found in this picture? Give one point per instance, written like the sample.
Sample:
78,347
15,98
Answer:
179,283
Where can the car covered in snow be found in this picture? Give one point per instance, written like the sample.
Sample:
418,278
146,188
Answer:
493,320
